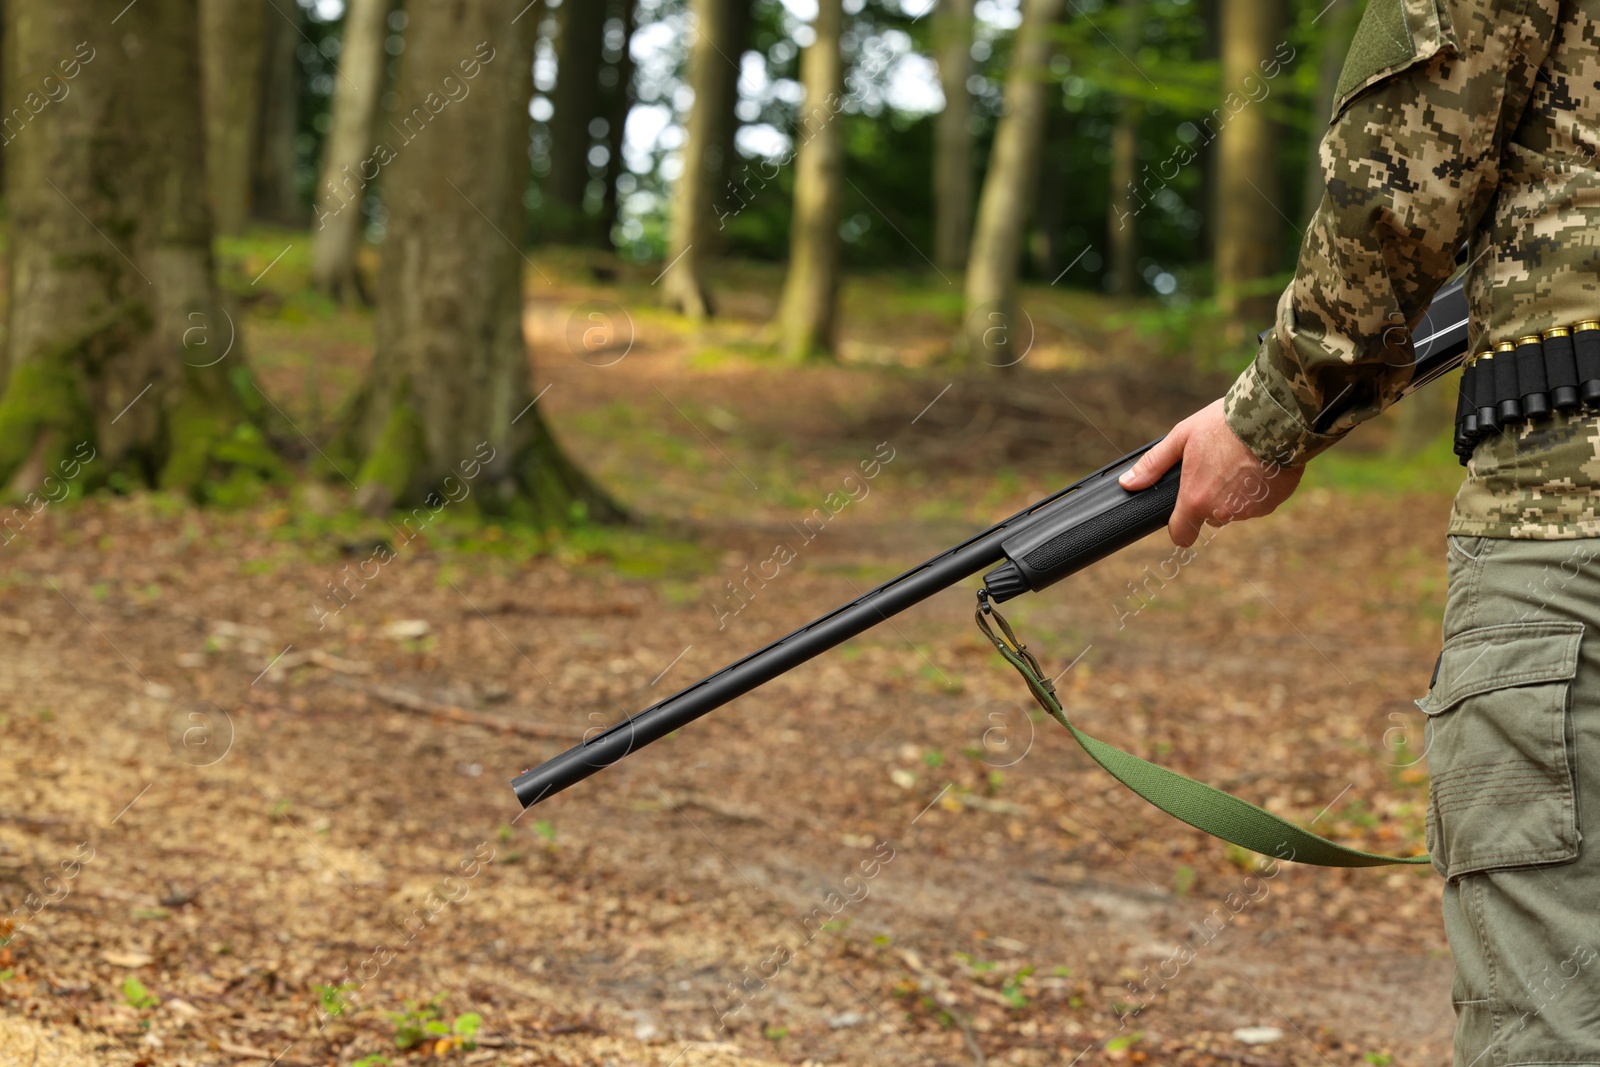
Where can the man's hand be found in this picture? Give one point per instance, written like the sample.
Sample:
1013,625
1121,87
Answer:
1222,479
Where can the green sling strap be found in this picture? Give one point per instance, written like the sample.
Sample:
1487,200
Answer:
1201,806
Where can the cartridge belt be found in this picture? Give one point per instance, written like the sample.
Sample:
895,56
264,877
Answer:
1526,380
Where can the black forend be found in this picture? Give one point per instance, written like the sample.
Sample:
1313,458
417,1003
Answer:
1097,520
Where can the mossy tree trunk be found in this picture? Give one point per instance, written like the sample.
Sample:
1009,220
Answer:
115,338
349,161
232,50
992,330
952,165
714,75
808,307
447,404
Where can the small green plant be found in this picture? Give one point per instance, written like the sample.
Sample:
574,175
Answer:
1183,879
933,758
1126,1041
138,997
422,1023
333,998
775,1033
545,830
1379,1059
373,1060
1011,988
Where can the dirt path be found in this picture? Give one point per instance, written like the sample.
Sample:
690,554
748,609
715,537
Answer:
881,858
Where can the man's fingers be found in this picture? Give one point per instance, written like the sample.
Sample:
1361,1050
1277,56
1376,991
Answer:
1156,462
1184,526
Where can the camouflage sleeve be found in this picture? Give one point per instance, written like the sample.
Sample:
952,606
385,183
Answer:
1428,97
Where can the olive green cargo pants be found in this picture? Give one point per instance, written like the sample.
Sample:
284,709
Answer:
1513,749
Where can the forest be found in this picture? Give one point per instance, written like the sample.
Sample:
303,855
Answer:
394,394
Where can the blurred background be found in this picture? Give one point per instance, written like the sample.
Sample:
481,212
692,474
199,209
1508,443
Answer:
395,393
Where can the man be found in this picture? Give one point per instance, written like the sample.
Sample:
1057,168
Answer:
1471,122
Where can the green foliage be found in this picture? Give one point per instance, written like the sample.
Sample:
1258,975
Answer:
421,1022
137,996
1434,471
333,998
1011,988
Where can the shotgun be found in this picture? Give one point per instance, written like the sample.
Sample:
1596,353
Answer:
1033,549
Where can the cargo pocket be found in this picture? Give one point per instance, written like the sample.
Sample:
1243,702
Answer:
1392,36
1499,747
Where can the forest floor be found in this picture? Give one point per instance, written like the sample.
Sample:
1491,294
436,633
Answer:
243,828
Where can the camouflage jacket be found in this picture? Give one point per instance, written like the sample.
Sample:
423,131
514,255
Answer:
1471,122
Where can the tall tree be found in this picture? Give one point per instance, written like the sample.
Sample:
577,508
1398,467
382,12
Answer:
952,164
713,74
726,161
616,84
808,308
1249,192
277,197
115,346
231,59
577,103
448,394
1122,222
349,162
991,320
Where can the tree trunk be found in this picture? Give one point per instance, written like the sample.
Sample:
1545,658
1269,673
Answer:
1205,149
350,162
1338,26
992,333
1048,225
1122,236
1249,198
118,356
616,81
276,197
576,102
714,76
447,411
952,166
728,165
231,59
807,309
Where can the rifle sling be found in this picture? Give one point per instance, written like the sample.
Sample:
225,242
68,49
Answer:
1202,806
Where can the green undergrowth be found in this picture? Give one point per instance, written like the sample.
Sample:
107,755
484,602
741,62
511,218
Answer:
639,551
1433,471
